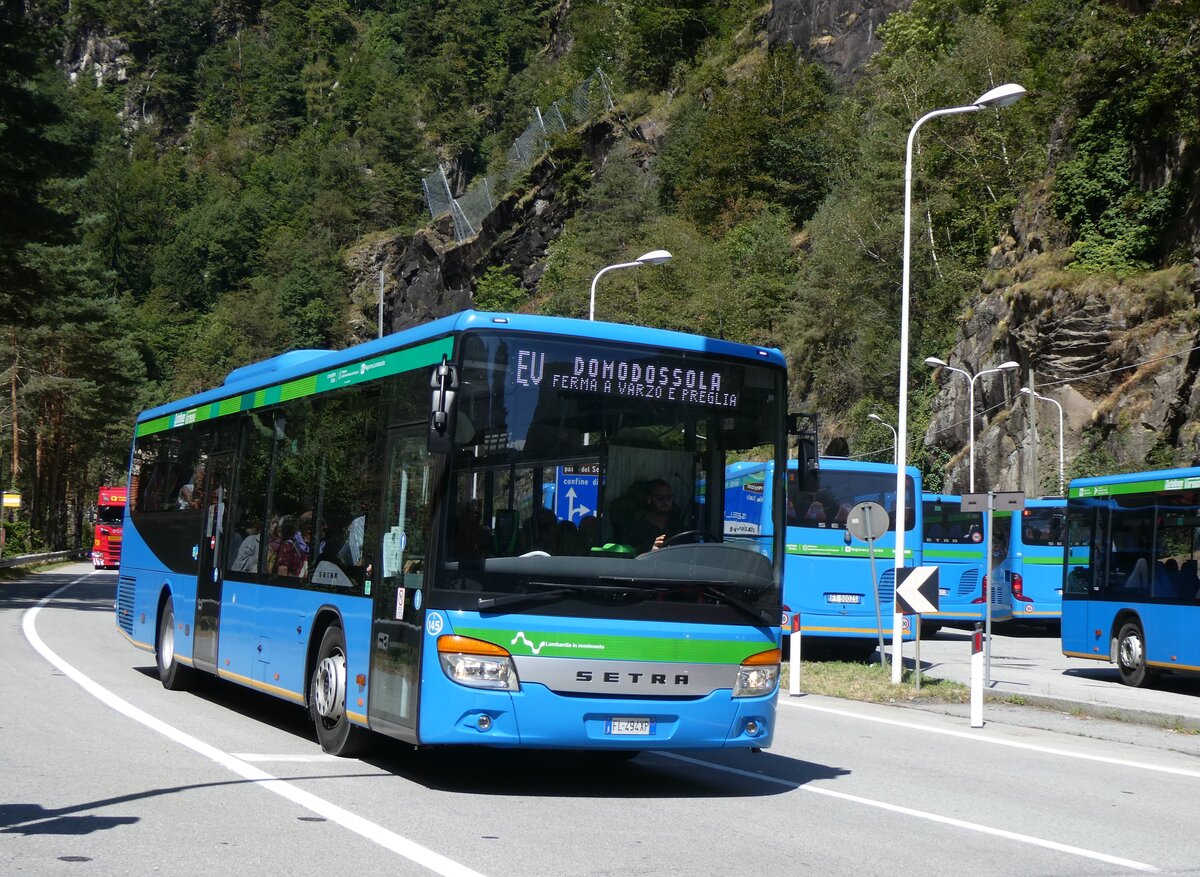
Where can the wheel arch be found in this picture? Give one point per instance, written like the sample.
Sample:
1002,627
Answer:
1120,620
326,617
164,594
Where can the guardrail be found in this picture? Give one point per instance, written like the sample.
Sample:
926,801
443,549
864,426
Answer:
50,557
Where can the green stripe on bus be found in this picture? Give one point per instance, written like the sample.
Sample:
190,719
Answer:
841,550
1160,484
950,554
376,367
1043,561
546,644
152,426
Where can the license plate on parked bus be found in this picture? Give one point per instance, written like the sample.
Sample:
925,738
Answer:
628,727
843,598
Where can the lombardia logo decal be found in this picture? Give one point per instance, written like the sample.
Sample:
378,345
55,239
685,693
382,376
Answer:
554,644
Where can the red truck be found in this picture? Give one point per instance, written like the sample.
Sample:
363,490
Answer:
110,516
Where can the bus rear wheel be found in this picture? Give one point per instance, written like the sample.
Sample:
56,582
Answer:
173,675
1131,655
327,698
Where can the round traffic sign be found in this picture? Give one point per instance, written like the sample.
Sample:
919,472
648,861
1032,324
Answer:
867,521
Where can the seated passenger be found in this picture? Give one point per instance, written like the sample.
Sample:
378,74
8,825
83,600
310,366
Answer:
284,558
658,520
540,533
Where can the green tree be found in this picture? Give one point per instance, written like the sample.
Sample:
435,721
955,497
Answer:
762,141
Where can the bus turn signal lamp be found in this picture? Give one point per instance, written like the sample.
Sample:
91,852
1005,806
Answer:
477,663
1018,589
758,674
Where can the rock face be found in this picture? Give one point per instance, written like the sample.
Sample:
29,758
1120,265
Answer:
839,34
1120,357
432,275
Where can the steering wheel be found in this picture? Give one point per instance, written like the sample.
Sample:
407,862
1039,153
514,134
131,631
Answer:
691,536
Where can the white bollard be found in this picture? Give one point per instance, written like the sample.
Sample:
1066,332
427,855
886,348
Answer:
794,666
977,678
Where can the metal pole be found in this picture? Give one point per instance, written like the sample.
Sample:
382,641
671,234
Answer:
380,302
1032,485
987,597
875,586
902,417
592,300
971,427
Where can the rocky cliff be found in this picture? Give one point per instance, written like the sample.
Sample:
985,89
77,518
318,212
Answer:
1121,357
430,274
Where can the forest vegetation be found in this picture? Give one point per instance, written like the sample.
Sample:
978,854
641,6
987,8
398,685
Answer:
182,181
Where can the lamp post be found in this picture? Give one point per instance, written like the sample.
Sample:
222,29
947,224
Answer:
1001,96
971,379
1062,480
879,419
654,257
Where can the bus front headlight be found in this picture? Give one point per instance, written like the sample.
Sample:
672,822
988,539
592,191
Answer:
477,663
758,674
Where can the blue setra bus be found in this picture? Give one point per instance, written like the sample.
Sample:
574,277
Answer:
955,541
827,574
1131,594
367,533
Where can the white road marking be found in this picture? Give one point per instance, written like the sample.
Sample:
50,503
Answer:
923,814
389,840
977,737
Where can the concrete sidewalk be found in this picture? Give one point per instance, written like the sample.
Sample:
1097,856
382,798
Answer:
1028,666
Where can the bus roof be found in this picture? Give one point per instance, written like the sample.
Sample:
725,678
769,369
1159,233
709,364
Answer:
299,363
1136,482
845,464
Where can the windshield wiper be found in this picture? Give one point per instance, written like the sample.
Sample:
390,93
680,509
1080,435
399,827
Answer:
555,590
708,588
762,616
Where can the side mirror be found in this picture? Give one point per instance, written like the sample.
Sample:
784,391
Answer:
805,427
444,383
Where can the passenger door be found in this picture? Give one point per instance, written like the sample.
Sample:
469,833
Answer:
400,584
217,477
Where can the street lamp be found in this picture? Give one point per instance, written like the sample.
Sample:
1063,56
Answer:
879,419
654,257
971,379
1001,96
1062,481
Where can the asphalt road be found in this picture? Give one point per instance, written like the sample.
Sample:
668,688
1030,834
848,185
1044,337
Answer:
107,773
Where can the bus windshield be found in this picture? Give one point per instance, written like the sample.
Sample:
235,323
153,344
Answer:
571,459
111,515
1043,526
947,524
837,492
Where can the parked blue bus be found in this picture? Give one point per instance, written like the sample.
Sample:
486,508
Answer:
1132,595
955,541
1032,563
363,533
827,575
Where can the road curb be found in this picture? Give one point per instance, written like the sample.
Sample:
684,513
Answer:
1095,710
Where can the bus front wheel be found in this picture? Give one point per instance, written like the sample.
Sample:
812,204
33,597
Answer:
1131,655
327,698
173,675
